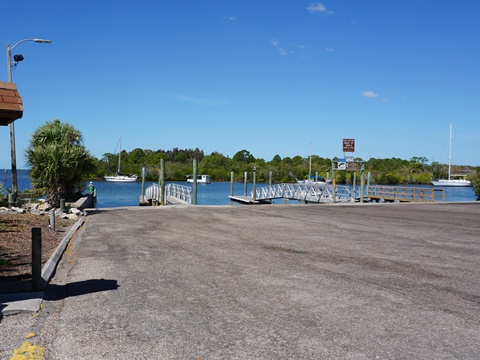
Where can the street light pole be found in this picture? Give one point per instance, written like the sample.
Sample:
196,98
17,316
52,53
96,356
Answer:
12,126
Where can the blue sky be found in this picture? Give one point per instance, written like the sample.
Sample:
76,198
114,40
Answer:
271,77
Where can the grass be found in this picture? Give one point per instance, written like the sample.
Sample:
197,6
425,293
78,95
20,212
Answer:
5,262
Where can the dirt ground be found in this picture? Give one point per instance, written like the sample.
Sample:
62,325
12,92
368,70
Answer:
16,242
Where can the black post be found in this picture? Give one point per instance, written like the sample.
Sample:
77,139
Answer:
37,258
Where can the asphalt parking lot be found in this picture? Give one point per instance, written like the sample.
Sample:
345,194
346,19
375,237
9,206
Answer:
387,281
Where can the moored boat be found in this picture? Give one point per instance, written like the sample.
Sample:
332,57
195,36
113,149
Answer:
201,179
120,177
454,180
459,182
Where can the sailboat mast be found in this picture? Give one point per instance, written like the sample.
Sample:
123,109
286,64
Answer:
450,152
119,154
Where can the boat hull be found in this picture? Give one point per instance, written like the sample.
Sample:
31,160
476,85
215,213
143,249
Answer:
121,179
451,183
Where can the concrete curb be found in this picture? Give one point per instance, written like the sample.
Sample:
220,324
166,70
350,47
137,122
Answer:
16,303
49,268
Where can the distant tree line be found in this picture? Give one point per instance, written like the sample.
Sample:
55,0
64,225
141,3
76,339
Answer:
179,164
59,163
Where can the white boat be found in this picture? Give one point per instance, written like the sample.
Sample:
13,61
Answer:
455,180
310,181
201,179
120,177
318,181
313,182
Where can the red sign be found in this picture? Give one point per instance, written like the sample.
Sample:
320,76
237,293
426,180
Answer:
348,145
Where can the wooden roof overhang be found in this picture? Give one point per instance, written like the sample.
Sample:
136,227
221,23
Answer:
11,106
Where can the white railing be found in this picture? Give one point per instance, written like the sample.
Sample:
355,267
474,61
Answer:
305,192
179,191
154,192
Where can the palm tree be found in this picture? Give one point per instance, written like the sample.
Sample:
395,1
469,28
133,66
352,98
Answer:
58,159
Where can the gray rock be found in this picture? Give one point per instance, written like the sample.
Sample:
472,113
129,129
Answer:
44,207
75,211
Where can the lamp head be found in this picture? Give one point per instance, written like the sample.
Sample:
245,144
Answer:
43,41
18,57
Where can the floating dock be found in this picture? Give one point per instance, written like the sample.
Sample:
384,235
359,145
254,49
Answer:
248,200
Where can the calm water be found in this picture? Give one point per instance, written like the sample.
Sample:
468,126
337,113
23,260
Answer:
127,194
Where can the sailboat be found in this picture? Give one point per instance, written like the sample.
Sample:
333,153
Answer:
120,177
312,180
457,180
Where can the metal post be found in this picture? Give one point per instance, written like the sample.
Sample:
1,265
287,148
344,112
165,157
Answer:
369,176
194,181
143,185
316,175
232,178
334,184
245,176
270,175
254,190
37,258
354,185
52,220
62,204
362,182
162,182
12,126
11,200
12,131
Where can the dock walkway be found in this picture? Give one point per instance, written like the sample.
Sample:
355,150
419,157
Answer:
308,193
404,194
248,200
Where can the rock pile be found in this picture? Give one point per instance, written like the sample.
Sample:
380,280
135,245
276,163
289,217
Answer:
43,209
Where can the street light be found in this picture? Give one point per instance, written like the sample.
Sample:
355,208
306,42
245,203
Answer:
17,58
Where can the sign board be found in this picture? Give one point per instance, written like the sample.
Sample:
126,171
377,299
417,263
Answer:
348,145
342,164
352,165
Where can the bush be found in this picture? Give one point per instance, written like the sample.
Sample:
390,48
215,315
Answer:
476,183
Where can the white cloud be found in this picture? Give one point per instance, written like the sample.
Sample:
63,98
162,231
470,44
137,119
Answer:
318,8
288,49
329,49
369,94
373,95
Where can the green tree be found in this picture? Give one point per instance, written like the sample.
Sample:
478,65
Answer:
243,156
476,183
137,156
58,161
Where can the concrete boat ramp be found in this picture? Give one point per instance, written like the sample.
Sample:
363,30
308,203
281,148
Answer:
359,281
